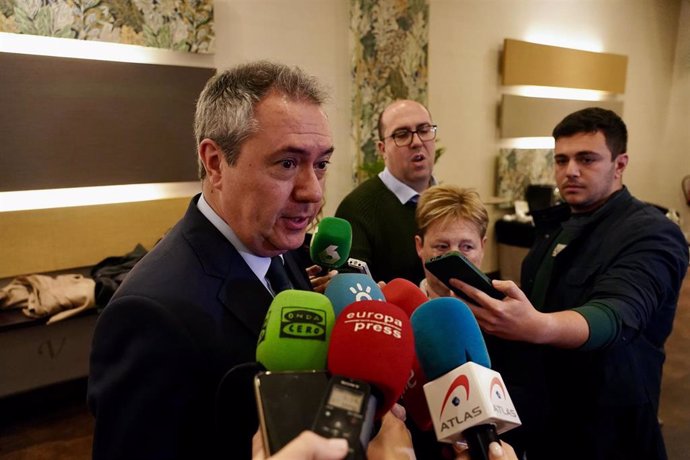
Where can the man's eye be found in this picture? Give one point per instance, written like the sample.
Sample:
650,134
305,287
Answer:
560,161
323,165
401,134
424,129
288,164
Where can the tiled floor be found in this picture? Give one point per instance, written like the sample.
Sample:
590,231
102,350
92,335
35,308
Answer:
55,425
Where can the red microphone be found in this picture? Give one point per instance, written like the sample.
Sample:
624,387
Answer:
407,295
404,294
372,341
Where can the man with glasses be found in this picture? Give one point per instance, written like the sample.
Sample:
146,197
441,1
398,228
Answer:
381,210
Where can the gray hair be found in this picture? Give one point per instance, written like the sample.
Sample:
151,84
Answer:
225,109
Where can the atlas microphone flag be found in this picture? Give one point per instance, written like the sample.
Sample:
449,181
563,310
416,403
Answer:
467,400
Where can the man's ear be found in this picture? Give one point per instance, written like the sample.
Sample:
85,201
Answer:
621,163
381,148
213,160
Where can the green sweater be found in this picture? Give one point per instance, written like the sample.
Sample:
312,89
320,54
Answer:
383,232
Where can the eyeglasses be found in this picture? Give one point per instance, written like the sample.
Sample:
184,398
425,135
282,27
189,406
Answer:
403,137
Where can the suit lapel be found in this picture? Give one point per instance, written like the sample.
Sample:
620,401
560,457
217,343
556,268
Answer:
242,293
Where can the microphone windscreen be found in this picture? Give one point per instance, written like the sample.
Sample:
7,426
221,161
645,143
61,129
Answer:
372,341
296,332
446,336
331,242
404,294
346,288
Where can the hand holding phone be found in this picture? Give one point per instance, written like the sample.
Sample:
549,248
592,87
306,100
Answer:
455,265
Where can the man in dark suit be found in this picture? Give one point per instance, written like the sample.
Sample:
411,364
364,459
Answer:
193,307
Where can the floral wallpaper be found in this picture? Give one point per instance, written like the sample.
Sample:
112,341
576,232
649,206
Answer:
518,168
390,40
181,25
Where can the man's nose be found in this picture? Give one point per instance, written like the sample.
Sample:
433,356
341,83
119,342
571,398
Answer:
415,140
572,169
308,187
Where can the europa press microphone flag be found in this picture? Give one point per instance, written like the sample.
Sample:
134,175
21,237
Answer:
467,400
372,341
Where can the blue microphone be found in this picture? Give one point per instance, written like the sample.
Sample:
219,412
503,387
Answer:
467,400
346,288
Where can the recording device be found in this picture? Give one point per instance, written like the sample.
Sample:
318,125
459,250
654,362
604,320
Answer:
296,332
359,265
342,413
346,288
455,265
372,341
287,403
467,400
331,243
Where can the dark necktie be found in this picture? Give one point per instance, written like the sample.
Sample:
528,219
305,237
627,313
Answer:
277,275
412,201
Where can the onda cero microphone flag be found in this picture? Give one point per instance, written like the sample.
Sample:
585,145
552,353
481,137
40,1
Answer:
372,341
296,332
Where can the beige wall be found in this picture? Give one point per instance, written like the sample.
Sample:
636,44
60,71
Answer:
465,40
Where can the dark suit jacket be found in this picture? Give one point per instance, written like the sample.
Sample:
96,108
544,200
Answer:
188,311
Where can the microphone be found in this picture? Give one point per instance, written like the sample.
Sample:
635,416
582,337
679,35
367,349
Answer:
331,243
372,341
407,295
404,294
345,288
467,400
296,332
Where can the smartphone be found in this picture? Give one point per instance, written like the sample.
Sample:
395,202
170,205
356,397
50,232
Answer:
287,403
342,413
455,265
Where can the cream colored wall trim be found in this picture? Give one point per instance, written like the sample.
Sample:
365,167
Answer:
536,117
62,238
527,63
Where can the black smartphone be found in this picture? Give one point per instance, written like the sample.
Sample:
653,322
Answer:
287,403
342,413
455,265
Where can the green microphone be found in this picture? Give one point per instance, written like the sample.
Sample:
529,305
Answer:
331,242
296,332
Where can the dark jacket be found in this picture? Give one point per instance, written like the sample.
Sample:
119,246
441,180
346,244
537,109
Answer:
189,310
629,256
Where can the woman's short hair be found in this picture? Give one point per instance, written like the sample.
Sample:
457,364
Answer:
449,202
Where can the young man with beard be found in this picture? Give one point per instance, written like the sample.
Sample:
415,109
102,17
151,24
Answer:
599,294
